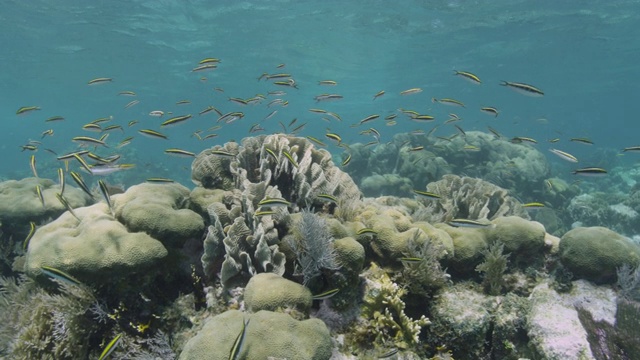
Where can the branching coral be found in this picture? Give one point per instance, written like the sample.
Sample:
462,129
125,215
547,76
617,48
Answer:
385,323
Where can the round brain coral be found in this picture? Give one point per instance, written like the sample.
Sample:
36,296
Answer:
160,210
269,291
267,335
19,202
95,249
594,253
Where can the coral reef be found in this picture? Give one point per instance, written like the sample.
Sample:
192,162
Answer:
266,335
248,242
521,238
517,167
273,166
554,325
35,324
594,253
392,228
211,171
291,164
422,273
386,184
461,320
629,282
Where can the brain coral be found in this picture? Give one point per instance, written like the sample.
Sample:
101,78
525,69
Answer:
160,210
19,202
594,253
268,291
268,335
96,248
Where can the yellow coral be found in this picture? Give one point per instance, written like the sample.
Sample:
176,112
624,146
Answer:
384,310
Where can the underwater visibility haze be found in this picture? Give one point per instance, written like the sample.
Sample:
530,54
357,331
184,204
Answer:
319,179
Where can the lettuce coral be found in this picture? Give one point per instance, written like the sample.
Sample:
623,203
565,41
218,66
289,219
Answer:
470,198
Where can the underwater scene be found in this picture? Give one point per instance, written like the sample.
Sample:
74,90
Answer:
280,179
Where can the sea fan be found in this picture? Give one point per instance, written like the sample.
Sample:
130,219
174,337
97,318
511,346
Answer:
314,249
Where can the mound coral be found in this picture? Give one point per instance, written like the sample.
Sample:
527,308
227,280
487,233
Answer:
96,249
265,335
20,204
160,210
268,291
594,253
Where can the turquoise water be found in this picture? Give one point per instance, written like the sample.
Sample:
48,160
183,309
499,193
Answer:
582,55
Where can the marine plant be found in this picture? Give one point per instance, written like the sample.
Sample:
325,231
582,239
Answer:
313,248
629,282
384,323
493,267
37,324
422,273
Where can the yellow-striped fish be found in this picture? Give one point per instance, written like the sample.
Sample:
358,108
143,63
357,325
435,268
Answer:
40,195
179,152
111,346
468,76
78,179
61,180
98,81
410,91
27,109
153,134
105,193
66,204
32,230
32,164
522,88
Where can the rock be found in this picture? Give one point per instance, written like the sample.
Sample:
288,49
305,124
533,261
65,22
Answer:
553,325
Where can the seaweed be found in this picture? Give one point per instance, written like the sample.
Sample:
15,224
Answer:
426,275
37,324
493,267
629,282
